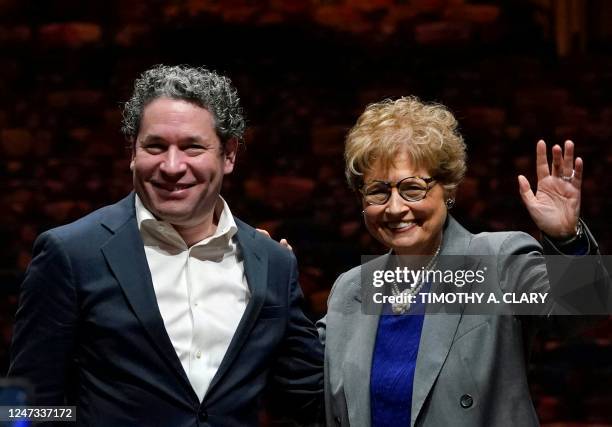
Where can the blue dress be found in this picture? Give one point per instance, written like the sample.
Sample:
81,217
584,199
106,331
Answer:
393,365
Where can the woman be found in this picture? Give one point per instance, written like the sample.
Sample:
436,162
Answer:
406,159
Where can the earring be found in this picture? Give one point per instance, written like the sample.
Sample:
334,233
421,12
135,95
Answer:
450,202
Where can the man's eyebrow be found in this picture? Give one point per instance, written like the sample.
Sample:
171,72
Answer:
187,139
152,138
196,138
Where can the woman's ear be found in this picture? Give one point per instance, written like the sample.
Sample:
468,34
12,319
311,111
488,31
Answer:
449,197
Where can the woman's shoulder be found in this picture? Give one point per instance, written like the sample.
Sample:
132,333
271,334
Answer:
504,242
350,280
461,241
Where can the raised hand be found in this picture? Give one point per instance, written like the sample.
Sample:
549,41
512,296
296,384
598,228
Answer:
555,207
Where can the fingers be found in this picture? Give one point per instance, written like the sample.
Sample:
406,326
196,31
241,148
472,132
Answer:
557,162
264,232
568,158
286,244
525,190
541,161
572,167
283,242
562,161
578,168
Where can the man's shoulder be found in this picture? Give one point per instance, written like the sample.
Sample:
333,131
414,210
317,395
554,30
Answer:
96,222
260,243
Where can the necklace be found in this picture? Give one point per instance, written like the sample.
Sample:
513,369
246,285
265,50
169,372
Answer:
404,296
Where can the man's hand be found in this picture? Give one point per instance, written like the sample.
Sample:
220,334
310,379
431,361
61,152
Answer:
555,207
283,242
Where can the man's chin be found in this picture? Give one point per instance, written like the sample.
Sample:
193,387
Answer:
174,217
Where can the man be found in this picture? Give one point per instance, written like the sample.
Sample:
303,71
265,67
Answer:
164,309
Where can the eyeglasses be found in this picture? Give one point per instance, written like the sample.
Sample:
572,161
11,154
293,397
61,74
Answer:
411,189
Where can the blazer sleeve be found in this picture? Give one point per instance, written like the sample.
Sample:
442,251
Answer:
44,332
577,285
297,376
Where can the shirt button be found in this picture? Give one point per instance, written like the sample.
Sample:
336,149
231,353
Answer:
466,401
198,354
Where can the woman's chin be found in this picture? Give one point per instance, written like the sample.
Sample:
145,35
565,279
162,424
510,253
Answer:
403,246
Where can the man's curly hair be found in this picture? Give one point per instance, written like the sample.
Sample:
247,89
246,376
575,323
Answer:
198,85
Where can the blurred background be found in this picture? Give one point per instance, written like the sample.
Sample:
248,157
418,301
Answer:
512,72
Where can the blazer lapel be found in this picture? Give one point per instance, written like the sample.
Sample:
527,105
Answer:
361,346
256,271
438,329
133,274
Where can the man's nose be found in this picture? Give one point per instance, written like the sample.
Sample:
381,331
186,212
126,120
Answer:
173,162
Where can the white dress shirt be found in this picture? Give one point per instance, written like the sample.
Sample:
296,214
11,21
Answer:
201,291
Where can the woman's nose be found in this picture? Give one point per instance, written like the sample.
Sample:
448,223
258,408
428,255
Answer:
396,204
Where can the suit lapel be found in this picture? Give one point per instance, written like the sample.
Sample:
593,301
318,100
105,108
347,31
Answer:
438,329
256,271
133,274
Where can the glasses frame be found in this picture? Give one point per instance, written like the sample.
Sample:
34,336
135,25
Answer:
391,186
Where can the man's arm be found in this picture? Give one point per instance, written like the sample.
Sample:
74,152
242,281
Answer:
44,333
297,376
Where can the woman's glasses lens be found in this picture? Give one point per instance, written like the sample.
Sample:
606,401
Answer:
411,189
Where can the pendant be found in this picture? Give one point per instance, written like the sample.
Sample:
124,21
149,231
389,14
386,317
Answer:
401,307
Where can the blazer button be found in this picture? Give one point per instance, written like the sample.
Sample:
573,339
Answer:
202,415
466,401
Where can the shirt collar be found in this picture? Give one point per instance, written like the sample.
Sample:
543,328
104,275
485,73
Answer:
164,231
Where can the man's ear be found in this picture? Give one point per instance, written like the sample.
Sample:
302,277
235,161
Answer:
229,155
133,145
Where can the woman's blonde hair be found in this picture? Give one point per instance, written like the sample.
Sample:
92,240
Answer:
426,132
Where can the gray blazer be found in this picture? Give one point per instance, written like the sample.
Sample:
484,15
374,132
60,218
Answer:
471,369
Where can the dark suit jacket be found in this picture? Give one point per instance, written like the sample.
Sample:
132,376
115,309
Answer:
89,332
